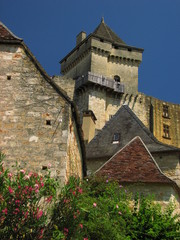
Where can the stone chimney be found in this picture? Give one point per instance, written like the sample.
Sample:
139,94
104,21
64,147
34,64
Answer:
80,37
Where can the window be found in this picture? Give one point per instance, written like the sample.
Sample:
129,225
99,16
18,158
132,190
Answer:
165,111
166,131
48,122
116,138
116,78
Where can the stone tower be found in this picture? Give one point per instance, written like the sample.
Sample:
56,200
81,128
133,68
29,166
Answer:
104,68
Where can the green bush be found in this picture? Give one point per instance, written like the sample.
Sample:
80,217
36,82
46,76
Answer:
92,209
101,209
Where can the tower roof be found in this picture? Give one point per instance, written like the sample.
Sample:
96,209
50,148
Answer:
105,32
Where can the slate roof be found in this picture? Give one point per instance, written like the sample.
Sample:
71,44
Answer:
128,125
105,32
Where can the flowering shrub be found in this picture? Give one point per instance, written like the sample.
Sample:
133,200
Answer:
93,209
100,209
21,214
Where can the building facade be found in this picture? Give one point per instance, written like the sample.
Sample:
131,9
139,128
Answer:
38,121
105,70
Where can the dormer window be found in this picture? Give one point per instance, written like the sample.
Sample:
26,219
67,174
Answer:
117,78
116,138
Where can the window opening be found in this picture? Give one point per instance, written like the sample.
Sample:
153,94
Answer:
116,138
166,131
116,78
48,122
165,111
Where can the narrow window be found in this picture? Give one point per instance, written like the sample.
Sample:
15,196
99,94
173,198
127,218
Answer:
166,131
165,111
116,78
8,77
116,138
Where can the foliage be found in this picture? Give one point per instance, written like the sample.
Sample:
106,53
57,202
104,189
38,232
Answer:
101,209
92,209
21,214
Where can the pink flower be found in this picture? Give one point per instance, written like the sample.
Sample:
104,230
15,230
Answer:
66,231
49,199
23,171
10,190
74,193
0,173
49,165
5,211
42,184
26,215
81,226
85,238
80,190
39,214
117,206
74,216
10,175
107,181
94,204
119,213
26,177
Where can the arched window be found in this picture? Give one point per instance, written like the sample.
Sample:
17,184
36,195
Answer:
117,78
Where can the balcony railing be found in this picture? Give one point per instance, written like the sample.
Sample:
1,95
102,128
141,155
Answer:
101,81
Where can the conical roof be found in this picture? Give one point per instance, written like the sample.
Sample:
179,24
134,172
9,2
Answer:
106,33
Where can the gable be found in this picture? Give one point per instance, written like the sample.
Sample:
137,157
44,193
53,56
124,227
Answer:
133,163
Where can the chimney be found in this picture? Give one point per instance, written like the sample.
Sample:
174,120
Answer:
80,37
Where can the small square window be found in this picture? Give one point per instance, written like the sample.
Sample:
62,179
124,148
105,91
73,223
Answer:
48,122
166,131
165,111
116,138
8,77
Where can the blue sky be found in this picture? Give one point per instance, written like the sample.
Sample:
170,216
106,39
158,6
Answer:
49,28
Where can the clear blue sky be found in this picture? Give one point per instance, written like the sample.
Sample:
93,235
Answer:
49,28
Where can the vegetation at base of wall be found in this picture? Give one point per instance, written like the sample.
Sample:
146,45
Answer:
84,210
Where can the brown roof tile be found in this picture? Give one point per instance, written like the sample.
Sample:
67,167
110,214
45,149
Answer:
7,35
133,164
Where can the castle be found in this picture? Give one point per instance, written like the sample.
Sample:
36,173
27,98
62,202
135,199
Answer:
40,121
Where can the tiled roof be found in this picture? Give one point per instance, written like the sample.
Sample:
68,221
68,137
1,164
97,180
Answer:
7,35
106,33
133,164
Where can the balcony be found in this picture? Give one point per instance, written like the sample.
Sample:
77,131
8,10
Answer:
99,80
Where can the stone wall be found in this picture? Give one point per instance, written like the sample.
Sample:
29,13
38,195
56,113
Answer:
34,118
148,109
161,193
74,155
169,165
